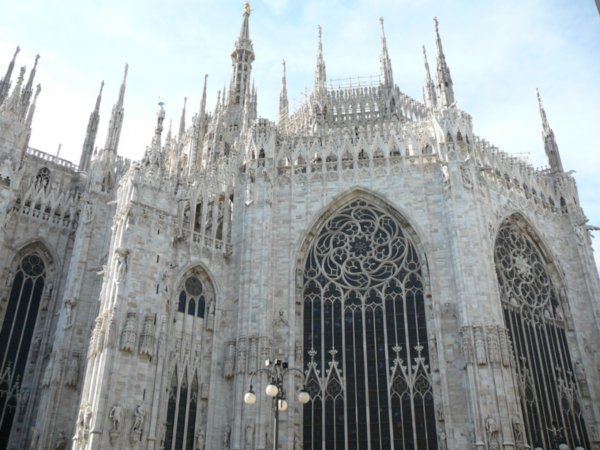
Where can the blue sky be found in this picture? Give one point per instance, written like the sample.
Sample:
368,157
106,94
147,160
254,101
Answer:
499,51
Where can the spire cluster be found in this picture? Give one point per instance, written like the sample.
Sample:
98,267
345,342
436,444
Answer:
18,103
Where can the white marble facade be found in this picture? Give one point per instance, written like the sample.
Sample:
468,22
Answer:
227,211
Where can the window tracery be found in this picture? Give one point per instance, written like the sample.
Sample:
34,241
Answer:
16,335
193,296
181,413
535,315
365,336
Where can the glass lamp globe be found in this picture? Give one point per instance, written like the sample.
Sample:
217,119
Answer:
538,448
282,405
250,398
303,397
272,390
563,447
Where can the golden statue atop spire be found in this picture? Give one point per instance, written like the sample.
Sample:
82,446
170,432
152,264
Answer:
247,8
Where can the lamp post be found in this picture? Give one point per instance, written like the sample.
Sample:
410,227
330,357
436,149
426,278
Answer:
276,371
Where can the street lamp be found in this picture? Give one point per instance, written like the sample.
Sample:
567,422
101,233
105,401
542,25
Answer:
276,370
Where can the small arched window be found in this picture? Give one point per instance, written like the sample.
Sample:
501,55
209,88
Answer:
195,294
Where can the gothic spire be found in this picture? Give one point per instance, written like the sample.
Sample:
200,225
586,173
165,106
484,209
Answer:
28,91
154,156
387,78
182,121
245,29
241,60
90,136
429,87
13,103
320,74
31,110
116,118
196,148
549,140
445,92
5,82
283,99
203,100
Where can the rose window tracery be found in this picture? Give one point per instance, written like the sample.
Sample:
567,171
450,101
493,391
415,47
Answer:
534,314
365,335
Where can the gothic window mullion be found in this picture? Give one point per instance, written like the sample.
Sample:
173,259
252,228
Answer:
388,363
363,252
15,319
345,364
366,371
550,369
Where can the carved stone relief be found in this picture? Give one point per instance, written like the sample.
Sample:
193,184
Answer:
229,364
129,333
72,375
147,340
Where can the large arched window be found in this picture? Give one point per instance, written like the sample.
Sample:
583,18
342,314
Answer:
535,316
365,336
16,335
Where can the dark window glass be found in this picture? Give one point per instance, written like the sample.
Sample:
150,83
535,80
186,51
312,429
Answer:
365,336
16,335
535,316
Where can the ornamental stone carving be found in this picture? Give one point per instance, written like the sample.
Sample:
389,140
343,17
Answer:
200,439
72,376
129,333
229,364
505,348
139,415
493,344
467,345
121,262
147,340
480,354
116,417
240,360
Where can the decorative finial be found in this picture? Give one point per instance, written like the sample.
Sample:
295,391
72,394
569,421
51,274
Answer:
381,22
17,52
437,25
247,8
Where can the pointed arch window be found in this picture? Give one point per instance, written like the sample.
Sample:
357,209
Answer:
536,316
365,336
181,412
16,335
194,295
